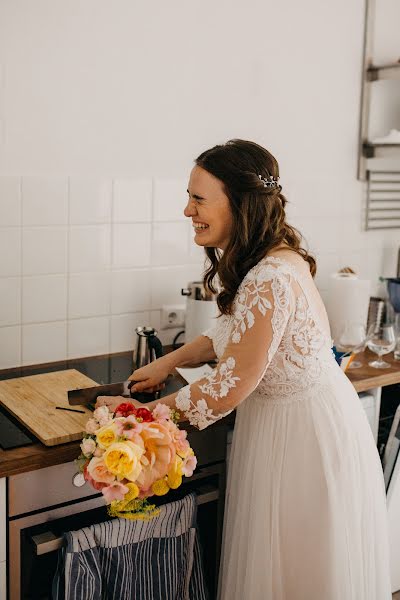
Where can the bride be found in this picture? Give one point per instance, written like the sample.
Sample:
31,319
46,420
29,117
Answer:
305,515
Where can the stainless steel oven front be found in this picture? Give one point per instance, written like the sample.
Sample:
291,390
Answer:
43,504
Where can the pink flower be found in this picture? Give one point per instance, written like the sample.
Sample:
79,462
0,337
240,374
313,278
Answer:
88,446
115,491
128,427
93,483
99,472
102,415
92,426
178,436
161,412
180,440
189,465
99,451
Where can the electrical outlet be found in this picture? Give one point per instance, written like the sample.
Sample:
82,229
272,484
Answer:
172,316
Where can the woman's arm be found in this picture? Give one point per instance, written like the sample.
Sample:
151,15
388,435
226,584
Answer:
150,377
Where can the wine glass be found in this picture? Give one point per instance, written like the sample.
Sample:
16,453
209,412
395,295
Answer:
353,339
381,340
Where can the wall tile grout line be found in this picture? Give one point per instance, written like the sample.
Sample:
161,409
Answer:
21,326
68,274
111,257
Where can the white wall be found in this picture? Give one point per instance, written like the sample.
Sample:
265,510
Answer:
105,105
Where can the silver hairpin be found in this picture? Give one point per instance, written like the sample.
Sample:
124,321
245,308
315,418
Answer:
270,182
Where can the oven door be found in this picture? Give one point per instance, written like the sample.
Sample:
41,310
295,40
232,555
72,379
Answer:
34,539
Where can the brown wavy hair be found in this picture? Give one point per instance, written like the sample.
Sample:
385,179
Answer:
259,218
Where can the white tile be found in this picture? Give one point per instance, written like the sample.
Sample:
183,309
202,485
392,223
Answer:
88,337
44,250
167,283
89,295
44,201
170,243
10,304
44,298
166,336
10,201
89,248
44,342
10,347
130,291
327,264
170,198
123,336
10,251
89,200
131,245
132,200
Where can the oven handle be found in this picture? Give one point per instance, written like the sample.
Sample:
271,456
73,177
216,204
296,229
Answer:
48,542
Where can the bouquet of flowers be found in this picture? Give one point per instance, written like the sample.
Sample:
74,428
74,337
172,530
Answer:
135,453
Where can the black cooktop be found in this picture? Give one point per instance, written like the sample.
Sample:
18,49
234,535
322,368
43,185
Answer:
102,369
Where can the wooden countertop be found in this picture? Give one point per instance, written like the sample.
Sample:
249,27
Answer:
367,377
37,456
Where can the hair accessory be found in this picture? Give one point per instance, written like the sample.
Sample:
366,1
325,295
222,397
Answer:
270,182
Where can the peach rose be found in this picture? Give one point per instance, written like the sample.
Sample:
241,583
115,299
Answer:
99,472
159,452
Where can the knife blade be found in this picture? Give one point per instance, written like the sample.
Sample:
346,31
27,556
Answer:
89,395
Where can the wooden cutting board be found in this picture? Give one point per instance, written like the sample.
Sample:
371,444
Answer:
33,400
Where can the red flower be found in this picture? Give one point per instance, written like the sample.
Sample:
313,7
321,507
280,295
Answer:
144,414
125,409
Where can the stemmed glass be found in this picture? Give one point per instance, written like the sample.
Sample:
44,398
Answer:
353,339
381,340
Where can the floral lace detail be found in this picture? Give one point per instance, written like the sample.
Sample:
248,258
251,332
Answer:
221,380
200,415
298,356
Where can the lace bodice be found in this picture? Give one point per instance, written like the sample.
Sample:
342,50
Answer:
276,343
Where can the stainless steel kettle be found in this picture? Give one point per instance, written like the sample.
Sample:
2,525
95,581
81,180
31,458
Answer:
148,347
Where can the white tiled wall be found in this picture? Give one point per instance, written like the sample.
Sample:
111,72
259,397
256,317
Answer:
83,261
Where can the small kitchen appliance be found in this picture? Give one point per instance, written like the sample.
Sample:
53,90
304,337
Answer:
201,309
148,347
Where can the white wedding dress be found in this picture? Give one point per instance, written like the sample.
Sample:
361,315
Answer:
305,513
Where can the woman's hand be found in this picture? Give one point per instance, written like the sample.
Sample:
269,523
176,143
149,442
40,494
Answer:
149,378
113,401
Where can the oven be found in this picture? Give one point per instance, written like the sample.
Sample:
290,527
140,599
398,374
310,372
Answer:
43,504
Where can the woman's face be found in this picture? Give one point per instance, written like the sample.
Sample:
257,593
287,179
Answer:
208,207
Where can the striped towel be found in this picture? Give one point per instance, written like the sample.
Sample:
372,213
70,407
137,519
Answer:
158,559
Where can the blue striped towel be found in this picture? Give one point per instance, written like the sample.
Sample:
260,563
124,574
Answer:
158,559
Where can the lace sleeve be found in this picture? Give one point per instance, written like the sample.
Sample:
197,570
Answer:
209,333
263,305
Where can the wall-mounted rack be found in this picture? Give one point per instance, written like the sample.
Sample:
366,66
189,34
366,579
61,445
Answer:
383,200
372,73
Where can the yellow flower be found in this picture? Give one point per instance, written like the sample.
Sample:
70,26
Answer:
174,480
174,477
123,459
133,492
160,487
106,436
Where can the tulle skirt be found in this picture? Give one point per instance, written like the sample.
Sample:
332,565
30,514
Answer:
305,515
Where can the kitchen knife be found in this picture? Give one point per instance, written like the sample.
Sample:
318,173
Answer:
89,395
